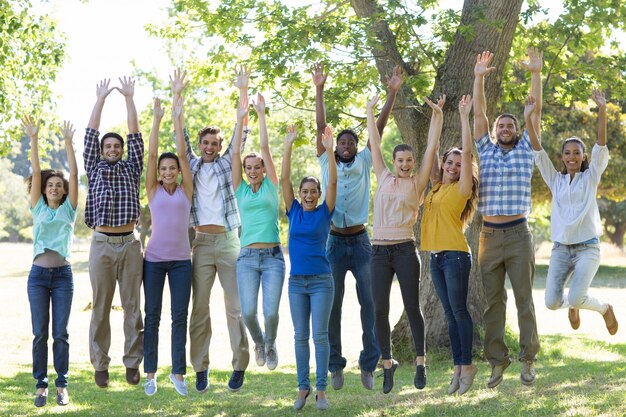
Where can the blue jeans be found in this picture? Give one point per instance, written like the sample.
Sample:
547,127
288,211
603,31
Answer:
179,278
258,267
45,285
579,263
310,300
402,260
352,253
450,271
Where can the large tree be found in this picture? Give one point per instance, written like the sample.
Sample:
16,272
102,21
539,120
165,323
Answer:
360,41
31,53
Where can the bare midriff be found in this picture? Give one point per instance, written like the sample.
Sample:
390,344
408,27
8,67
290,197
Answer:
262,245
213,229
126,228
503,219
347,230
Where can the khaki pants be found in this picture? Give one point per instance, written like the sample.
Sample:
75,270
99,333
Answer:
216,253
508,251
115,259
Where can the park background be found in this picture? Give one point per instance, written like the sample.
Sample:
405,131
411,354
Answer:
54,52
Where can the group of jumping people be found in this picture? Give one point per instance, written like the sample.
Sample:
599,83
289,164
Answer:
235,217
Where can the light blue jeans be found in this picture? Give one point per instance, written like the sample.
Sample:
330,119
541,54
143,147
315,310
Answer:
310,300
256,268
579,262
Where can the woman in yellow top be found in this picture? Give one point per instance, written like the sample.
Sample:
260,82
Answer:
448,208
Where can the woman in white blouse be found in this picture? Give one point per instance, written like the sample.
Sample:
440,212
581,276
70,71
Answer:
575,222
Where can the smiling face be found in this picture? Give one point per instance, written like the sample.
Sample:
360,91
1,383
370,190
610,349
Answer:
404,162
451,168
168,171
506,132
112,150
210,146
254,169
346,147
573,156
309,194
54,191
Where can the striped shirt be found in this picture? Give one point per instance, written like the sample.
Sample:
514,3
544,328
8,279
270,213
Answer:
223,168
113,194
505,176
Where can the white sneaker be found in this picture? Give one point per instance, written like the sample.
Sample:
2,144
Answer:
259,354
179,386
150,386
272,357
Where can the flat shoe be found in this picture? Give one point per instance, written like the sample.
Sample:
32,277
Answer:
466,381
454,385
321,403
41,399
63,398
610,320
574,317
300,402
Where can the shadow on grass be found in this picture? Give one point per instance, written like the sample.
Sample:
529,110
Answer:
575,376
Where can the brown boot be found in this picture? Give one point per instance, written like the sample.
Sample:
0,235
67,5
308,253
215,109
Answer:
574,318
132,376
610,320
102,378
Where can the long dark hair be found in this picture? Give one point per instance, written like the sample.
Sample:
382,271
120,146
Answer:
470,207
585,164
46,174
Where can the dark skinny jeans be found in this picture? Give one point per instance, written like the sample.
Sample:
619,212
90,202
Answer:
402,260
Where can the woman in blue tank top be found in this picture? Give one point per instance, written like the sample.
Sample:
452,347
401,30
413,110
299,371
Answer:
53,201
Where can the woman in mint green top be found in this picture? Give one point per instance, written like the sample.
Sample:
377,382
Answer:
260,261
53,201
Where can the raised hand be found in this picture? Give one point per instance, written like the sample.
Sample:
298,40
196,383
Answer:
178,83
102,88
259,104
465,105
529,106
158,110
292,134
598,97
243,108
482,67
177,107
127,86
242,77
318,74
535,60
437,108
67,130
395,81
327,139
30,127
371,104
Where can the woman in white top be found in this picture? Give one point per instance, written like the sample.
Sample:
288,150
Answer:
575,222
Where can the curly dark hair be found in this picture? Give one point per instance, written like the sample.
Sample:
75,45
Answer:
46,174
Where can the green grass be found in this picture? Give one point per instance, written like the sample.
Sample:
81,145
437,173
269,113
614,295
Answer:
576,376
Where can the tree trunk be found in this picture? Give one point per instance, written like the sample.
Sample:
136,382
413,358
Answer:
614,215
491,25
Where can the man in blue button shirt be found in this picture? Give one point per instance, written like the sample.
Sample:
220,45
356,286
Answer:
348,247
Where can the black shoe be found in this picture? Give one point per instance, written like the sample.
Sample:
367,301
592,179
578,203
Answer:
41,399
236,381
202,381
101,378
388,377
420,377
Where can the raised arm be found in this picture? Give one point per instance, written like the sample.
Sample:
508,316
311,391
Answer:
270,169
530,114
319,78
179,124
31,129
434,133
102,91
600,100
285,175
153,149
374,138
393,85
465,179
68,134
482,68
534,65
242,80
128,91
242,110
331,187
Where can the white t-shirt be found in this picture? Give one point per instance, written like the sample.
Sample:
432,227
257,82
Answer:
210,206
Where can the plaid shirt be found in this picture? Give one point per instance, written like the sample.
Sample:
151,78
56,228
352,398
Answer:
505,177
224,171
113,194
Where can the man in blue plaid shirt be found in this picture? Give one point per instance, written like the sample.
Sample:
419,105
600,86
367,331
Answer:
506,245
215,249
112,210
